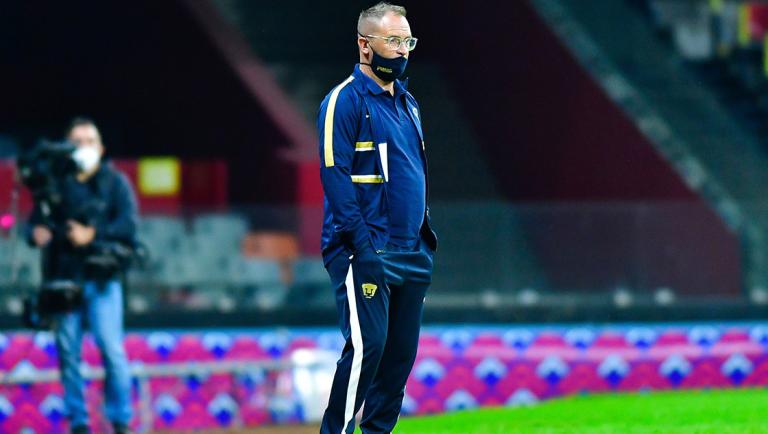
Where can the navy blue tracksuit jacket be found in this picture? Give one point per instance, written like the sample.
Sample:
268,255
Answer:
377,245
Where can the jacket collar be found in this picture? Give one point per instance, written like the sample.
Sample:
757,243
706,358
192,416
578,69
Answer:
367,83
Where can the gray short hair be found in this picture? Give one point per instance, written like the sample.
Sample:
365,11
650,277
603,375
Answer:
377,12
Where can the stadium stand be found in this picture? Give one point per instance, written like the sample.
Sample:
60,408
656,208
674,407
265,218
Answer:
555,210
597,172
709,148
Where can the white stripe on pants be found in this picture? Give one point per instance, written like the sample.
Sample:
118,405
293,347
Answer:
357,351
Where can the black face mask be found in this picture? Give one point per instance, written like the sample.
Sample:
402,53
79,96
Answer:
387,69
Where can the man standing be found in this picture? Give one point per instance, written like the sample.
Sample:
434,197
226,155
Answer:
98,207
377,241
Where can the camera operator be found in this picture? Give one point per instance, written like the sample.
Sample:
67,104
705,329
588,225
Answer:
97,208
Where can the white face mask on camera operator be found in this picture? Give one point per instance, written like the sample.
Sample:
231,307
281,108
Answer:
87,158
89,149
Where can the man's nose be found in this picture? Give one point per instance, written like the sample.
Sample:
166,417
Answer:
401,50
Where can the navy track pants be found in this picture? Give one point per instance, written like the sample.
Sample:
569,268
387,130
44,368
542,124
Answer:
380,299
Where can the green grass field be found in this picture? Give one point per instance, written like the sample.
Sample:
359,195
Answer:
699,412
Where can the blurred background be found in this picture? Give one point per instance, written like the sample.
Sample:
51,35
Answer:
591,162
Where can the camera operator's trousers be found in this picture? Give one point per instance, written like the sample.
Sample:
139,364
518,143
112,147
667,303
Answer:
380,299
102,312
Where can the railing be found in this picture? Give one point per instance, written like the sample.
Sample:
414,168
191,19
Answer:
490,254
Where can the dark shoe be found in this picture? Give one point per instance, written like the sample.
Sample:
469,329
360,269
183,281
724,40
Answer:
80,429
121,429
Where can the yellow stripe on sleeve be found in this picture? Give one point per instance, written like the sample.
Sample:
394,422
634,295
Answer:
364,146
367,179
328,131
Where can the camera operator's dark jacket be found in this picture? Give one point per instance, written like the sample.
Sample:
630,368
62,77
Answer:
105,201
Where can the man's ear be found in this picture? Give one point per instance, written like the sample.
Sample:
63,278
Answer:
364,45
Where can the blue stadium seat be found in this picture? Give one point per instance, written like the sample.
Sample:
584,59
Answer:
310,271
161,234
226,228
260,280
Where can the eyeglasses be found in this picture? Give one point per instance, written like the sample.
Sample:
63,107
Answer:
394,42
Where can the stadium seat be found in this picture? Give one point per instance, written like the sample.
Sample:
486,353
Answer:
249,271
215,271
178,271
310,271
260,281
311,282
27,262
161,234
280,246
227,228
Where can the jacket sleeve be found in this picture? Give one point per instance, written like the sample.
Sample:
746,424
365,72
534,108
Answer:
122,224
35,219
338,125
